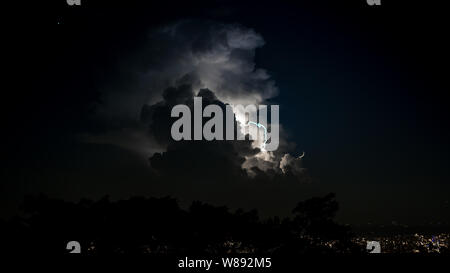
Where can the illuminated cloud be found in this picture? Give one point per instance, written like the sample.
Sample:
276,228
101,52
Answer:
179,61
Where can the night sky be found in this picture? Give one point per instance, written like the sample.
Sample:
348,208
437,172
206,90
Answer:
362,91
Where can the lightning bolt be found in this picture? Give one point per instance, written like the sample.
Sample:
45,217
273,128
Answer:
302,156
265,132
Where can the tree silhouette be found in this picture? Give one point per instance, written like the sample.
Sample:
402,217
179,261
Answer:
142,225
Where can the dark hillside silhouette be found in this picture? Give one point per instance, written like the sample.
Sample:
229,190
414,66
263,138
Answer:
142,225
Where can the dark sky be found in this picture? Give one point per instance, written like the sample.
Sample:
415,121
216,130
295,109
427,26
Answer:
362,90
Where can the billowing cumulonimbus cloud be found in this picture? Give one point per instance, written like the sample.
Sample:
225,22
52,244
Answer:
227,162
219,57
210,55
177,63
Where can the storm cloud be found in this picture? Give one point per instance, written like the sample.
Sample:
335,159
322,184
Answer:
179,61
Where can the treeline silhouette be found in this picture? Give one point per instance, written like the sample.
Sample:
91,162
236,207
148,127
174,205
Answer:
142,225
